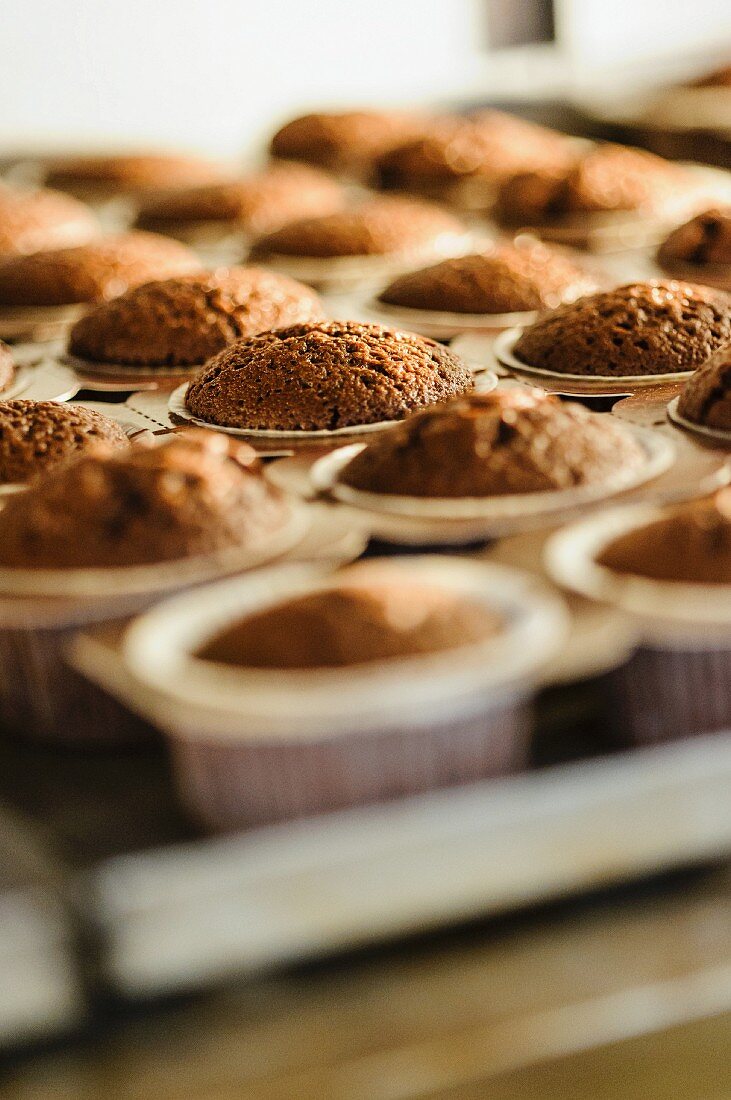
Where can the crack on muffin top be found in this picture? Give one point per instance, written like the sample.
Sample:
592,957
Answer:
335,374
638,329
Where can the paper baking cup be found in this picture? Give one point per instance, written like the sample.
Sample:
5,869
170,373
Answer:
40,613
38,323
678,682
255,746
601,232
127,374
443,325
576,384
48,381
180,413
342,273
325,475
713,435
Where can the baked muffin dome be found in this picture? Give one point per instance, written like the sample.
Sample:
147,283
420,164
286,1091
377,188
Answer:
350,625
507,278
378,228
639,329
691,544
259,203
490,144
7,366
131,172
184,321
344,141
608,178
35,436
705,239
92,272
335,374
507,441
33,220
193,494
706,396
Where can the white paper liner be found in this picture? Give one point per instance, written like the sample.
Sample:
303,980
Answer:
48,381
129,371
581,383
203,699
119,583
659,452
669,614
38,322
716,435
178,409
446,325
346,272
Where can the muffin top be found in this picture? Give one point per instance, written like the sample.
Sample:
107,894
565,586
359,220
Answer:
324,376
605,179
690,543
705,239
717,78
507,441
92,272
259,203
639,329
179,322
489,144
507,278
376,228
706,396
134,171
38,435
351,624
7,366
193,494
342,141
32,220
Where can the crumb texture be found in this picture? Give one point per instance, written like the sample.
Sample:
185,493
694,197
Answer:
639,329
36,436
325,376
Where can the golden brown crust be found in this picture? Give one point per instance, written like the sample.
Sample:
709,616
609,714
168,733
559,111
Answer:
346,626
36,436
691,543
508,278
92,272
639,329
180,322
134,171
706,396
33,220
257,203
325,376
508,441
193,494
376,228
343,141
705,239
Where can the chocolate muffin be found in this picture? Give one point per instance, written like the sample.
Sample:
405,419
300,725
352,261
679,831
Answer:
132,172
92,272
489,144
504,442
691,543
609,178
36,436
344,142
706,396
378,228
7,366
184,321
325,376
256,204
705,239
34,220
193,494
639,329
506,278
351,625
